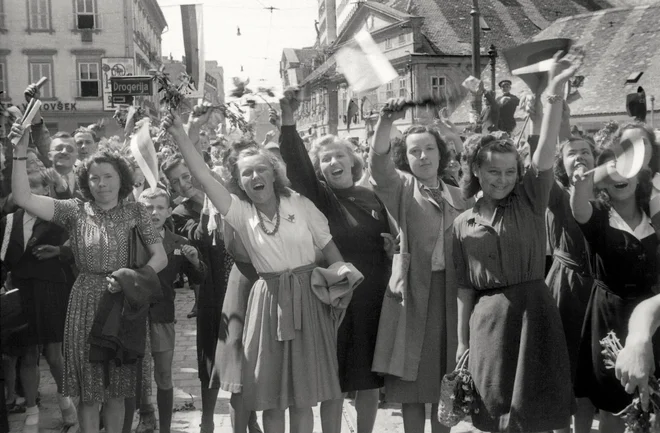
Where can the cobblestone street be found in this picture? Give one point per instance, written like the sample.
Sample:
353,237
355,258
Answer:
187,390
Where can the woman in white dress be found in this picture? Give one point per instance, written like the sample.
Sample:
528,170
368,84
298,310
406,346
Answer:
289,338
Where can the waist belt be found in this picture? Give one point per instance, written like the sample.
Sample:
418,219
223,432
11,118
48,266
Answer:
289,300
568,260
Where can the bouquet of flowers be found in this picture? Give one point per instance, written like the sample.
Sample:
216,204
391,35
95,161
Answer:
636,418
458,396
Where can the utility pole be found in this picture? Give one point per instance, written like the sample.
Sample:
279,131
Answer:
476,54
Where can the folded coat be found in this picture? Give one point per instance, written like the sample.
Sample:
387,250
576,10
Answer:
334,287
120,325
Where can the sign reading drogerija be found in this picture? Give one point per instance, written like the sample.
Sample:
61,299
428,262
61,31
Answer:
114,67
136,85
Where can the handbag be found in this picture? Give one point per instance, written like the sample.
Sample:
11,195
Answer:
138,254
390,350
458,396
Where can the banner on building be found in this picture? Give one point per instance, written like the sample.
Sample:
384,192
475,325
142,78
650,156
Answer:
193,42
114,67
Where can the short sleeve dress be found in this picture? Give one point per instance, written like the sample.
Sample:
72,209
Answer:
569,278
289,337
625,269
99,241
518,355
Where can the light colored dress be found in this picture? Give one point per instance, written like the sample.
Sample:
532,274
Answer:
288,339
99,240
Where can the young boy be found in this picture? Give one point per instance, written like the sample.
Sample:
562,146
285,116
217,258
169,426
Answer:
181,257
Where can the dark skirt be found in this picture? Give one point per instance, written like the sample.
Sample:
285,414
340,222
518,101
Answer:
44,305
356,338
570,287
606,312
432,363
519,360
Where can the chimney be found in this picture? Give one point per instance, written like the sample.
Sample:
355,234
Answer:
331,20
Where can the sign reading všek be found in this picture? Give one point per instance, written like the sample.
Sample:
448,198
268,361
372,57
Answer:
135,85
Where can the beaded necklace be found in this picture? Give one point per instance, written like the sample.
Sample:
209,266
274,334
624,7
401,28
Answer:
277,220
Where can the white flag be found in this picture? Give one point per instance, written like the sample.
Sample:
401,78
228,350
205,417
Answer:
363,64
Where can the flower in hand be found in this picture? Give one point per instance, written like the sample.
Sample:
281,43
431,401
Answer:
394,109
171,122
17,130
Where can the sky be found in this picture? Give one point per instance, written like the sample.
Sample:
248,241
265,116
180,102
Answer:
263,35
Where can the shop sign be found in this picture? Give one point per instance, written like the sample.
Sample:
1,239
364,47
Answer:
114,67
135,85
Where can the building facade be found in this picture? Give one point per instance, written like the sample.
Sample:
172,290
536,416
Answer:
428,42
78,46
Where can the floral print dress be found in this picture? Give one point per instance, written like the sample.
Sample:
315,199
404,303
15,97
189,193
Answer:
99,240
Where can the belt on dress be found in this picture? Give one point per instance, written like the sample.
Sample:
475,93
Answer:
289,300
523,285
568,260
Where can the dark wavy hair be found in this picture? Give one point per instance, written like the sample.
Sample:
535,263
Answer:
241,149
172,162
118,162
85,130
560,172
328,140
644,185
476,150
400,149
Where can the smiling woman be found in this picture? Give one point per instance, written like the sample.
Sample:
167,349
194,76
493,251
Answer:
282,232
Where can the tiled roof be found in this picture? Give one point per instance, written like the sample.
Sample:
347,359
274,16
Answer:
618,42
448,24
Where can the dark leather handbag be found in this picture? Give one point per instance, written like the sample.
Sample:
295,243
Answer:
138,254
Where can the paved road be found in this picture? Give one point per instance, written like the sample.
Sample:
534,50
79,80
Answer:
187,390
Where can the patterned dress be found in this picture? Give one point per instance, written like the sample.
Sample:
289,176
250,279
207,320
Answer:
99,240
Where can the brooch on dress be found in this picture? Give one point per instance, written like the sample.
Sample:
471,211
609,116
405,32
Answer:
291,218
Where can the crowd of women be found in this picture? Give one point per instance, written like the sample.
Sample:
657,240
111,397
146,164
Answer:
322,274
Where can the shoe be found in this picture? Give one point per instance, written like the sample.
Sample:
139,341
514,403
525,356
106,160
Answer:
193,313
14,407
147,423
206,428
70,416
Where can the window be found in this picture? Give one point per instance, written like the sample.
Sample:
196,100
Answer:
3,79
40,69
88,76
388,43
438,87
86,14
39,14
389,93
402,39
403,91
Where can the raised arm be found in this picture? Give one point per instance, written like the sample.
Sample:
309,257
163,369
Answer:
581,193
215,190
41,206
299,168
561,70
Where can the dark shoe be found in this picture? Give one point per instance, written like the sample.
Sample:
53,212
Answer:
253,424
193,313
147,423
206,428
13,407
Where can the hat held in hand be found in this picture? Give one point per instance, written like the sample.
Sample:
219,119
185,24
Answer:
531,60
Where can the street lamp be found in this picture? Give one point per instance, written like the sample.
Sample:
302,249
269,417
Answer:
492,53
476,54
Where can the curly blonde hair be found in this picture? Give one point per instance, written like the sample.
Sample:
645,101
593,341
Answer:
330,140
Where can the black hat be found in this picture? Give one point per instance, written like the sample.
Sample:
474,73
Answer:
503,82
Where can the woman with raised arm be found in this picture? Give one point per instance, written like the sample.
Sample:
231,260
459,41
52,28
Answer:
358,220
409,184
506,314
99,232
290,358
624,244
570,278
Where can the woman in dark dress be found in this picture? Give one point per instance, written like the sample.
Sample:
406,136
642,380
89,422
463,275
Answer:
357,219
569,278
30,251
624,244
506,315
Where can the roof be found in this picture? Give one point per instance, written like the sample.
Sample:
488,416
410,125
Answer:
448,24
618,42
